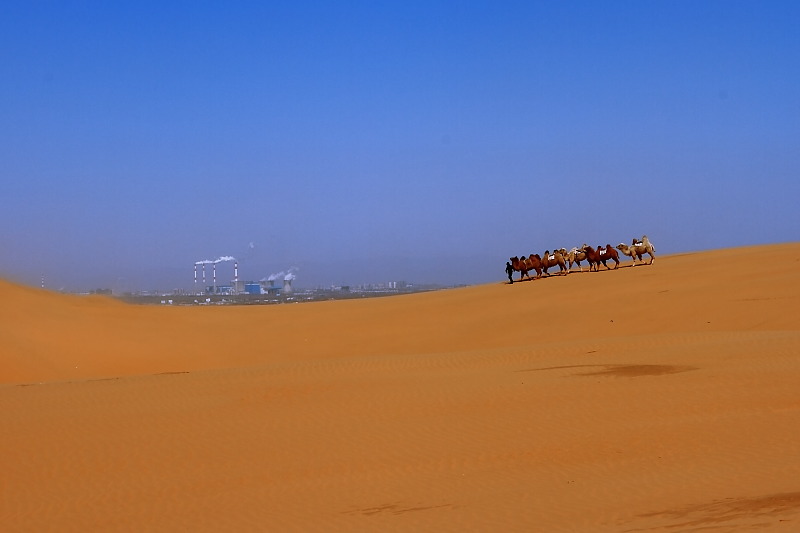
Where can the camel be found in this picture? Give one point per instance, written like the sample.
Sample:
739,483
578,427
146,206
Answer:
551,260
601,255
574,256
637,249
520,266
525,265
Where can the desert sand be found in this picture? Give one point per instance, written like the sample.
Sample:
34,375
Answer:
655,398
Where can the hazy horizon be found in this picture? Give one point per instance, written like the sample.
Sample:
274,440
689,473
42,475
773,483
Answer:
420,142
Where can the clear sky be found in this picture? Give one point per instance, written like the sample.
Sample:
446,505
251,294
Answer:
363,142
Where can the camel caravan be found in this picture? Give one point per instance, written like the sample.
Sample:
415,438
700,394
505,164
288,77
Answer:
565,260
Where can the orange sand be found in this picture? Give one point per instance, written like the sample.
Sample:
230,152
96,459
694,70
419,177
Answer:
657,398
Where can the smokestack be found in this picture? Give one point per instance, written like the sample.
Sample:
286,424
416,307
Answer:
215,278
195,278
236,271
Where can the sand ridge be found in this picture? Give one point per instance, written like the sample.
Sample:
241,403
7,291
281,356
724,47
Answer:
650,398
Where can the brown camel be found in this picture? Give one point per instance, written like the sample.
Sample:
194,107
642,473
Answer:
525,265
554,259
601,255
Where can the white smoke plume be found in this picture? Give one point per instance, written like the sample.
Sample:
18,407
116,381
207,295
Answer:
214,261
286,275
273,277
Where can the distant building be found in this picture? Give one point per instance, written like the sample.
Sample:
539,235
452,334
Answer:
253,288
220,289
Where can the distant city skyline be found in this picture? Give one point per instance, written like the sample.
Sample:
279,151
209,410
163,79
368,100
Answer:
418,141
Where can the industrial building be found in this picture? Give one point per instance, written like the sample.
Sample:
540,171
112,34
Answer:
270,285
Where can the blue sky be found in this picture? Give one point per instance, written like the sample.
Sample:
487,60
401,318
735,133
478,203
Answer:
363,142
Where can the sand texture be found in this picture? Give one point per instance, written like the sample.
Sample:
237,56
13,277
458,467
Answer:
658,398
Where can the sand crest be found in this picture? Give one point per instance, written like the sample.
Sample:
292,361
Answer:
651,398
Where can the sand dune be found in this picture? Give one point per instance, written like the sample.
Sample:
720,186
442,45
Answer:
656,398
